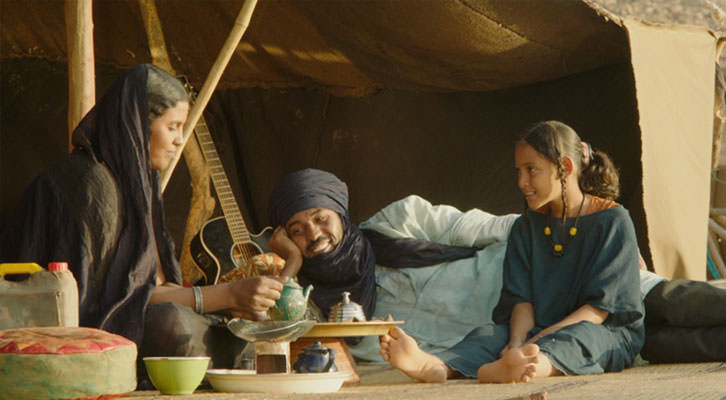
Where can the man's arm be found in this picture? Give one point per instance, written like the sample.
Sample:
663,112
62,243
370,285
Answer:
283,246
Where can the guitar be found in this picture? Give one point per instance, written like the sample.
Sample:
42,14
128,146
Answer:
224,242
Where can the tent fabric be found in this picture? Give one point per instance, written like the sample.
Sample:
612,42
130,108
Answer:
443,91
671,64
343,47
449,148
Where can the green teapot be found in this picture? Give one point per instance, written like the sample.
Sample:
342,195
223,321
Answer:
292,303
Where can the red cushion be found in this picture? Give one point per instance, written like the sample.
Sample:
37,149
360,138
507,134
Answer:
66,363
59,340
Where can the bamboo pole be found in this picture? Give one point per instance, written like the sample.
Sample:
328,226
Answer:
81,68
239,28
719,108
717,229
716,255
201,204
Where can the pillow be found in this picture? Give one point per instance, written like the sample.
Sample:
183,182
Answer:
66,363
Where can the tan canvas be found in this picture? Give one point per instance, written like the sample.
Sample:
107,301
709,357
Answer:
673,70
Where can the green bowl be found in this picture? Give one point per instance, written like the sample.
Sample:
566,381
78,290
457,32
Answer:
176,375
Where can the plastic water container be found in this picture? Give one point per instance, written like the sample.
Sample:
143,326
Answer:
32,296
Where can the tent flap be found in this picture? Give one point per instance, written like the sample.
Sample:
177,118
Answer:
673,70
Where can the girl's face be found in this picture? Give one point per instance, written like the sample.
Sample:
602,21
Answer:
536,177
166,135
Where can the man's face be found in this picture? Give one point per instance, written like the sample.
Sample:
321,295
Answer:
315,231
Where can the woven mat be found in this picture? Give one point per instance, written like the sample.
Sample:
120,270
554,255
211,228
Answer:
702,381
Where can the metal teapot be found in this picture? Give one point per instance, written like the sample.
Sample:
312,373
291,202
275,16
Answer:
315,358
292,303
346,310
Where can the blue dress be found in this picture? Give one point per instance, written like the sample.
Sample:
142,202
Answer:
599,267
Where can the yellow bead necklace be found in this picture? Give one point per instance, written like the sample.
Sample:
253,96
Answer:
559,248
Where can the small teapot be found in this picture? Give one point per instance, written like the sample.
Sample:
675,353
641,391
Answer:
315,358
346,310
292,303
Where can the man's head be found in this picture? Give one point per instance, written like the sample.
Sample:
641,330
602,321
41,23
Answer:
312,206
315,230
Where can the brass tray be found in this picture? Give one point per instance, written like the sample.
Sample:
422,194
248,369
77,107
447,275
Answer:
344,329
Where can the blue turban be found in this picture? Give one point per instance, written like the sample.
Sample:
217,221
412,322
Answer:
305,189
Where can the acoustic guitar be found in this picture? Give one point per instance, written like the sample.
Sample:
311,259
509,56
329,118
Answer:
224,242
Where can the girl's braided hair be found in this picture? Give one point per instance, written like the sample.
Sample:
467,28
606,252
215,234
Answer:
597,174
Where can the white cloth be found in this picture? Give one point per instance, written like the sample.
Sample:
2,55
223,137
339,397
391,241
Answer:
442,303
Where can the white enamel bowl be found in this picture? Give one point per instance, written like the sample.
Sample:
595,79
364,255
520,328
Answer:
239,380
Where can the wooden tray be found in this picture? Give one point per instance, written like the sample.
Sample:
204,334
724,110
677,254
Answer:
343,329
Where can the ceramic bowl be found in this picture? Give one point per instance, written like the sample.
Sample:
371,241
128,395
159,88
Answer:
235,380
176,375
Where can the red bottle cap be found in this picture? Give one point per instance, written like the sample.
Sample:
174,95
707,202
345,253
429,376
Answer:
57,266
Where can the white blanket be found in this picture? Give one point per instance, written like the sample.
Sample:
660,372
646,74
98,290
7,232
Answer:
441,303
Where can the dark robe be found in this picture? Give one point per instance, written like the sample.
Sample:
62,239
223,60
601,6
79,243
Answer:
100,210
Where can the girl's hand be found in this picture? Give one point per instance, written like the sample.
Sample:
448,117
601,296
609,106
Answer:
283,246
511,345
535,338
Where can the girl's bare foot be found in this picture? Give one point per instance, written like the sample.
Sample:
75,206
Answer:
403,353
517,365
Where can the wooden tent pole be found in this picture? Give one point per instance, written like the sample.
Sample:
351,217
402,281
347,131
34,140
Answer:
202,203
81,69
716,255
239,28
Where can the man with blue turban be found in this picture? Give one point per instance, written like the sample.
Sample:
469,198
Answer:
432,266
309,209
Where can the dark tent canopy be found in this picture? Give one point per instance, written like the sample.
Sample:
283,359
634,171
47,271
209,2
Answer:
395,97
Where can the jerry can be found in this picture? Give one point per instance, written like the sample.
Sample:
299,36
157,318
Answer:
45,298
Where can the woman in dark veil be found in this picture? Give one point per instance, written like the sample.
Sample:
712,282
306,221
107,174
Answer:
100,209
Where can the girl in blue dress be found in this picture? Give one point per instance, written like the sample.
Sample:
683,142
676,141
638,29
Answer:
570,293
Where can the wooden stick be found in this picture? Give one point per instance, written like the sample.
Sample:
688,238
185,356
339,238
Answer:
155,36
239,28
81,69
202,203
716,255
717,229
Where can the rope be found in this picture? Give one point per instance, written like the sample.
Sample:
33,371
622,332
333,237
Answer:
714,176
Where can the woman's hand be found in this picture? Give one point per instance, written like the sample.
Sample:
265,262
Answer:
251,298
